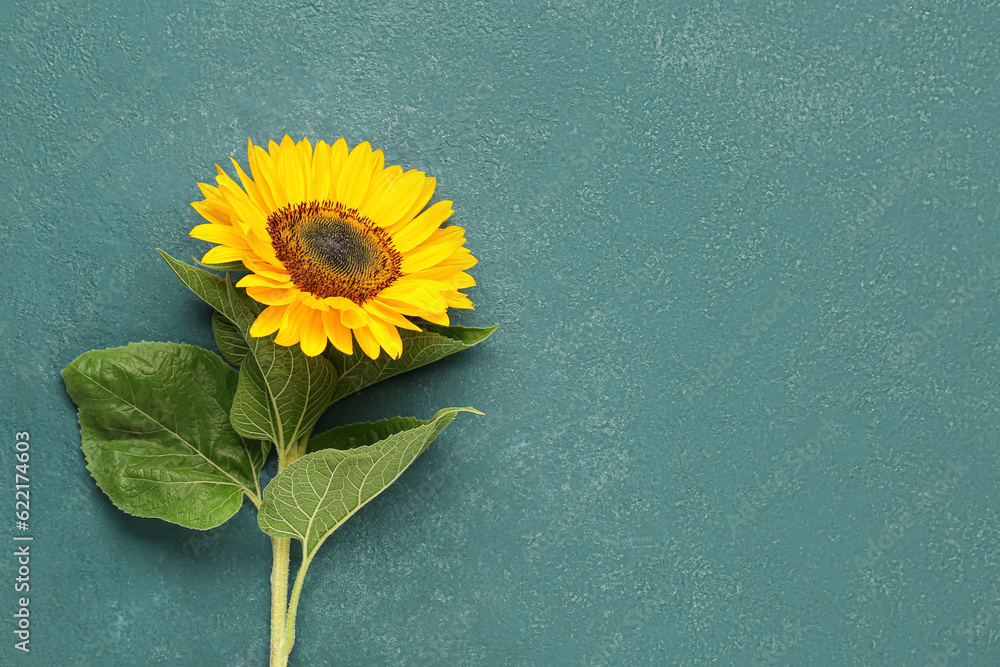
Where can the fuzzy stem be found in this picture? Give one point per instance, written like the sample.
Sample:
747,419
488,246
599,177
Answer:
281,548
293,606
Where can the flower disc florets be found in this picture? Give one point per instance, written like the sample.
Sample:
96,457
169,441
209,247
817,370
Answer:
332,251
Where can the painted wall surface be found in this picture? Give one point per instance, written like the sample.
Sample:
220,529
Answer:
743,404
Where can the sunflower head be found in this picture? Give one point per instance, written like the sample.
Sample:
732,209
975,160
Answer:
339,247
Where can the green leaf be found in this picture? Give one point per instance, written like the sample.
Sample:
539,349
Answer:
224,267
229,339
420,348
154,419
217,291
259,449
314,496
362,434
281,392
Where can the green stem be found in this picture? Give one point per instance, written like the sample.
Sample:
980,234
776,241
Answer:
293,606
281,548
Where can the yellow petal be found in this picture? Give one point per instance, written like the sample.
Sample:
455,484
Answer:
268,321
263,268
213,212
402,308
378,161
249,186
411,281
262,247
397,200
461,281
209,192
338,334
314,303
313,340
338,156
422,226
436,317
305,150
419,295
367,342
320,186
288,336
291,332
381,182
461,259
272,297
340,303
387,337
217,207
247,212
224,234
255,280
270,176
355,177
426,192
450,276
260,176
456,299
290,168
391,315
353,319
221,254
436,249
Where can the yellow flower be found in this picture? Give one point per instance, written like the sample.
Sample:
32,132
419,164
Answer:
336,245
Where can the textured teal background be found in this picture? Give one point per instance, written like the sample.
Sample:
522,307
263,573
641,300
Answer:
743,404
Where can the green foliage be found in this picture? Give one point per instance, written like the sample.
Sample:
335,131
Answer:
281,392
171,431
362,434
229,339
315,495
420,348
224,267
154,418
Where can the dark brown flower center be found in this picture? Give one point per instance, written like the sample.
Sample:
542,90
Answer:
332,251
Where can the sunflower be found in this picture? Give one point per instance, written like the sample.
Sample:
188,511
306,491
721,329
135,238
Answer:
339,247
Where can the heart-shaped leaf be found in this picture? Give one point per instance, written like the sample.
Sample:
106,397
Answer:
154,418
